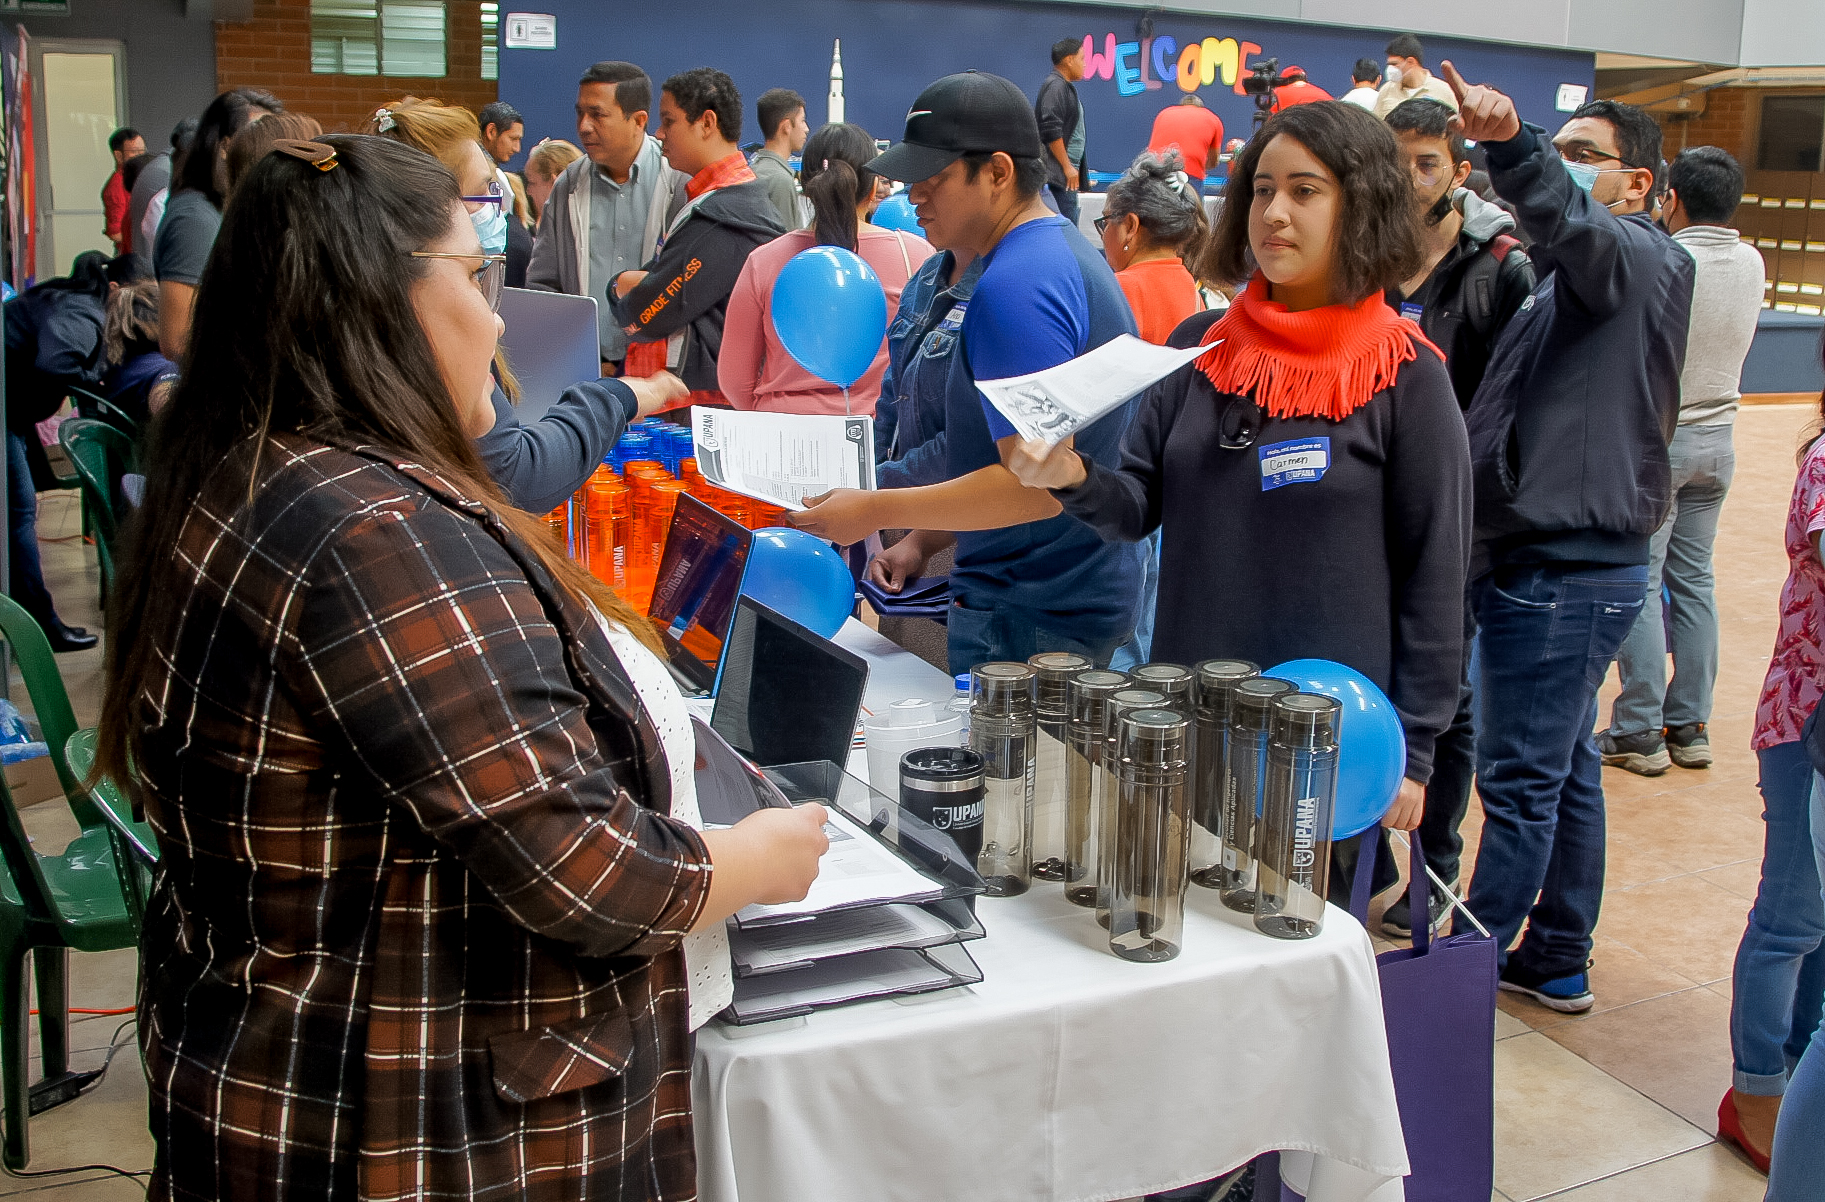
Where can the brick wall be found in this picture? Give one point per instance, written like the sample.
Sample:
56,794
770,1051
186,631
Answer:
272,51
1729,121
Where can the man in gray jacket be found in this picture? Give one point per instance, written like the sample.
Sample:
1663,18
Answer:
1655,724
608,210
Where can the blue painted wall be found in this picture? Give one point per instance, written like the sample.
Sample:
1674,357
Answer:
893,48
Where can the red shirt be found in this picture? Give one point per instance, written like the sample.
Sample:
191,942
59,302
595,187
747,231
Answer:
114,201
1191,130
1299,92
1161,293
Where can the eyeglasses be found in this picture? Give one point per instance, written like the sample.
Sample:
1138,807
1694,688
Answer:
490,279
496,196
1428,175
1591,156
1239,424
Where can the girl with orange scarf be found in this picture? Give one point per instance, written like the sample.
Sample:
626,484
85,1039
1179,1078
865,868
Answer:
1310,475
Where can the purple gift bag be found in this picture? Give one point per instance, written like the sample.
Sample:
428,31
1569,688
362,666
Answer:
1438,1003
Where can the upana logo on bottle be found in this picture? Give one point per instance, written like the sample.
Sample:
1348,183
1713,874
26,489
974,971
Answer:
1305,831
960,818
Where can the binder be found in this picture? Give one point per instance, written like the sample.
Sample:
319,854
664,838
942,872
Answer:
862,977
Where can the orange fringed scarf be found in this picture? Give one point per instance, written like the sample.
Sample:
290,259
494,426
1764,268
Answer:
1323,362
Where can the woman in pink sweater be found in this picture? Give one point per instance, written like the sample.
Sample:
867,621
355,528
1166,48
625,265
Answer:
754,367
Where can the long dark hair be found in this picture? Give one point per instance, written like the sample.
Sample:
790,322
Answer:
1377,239
199,166
835,178
304,324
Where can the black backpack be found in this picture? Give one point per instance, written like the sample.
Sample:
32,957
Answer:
1478,288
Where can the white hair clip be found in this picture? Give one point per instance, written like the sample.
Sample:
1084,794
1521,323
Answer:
383,120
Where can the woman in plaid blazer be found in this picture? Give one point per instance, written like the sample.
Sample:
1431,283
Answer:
417,926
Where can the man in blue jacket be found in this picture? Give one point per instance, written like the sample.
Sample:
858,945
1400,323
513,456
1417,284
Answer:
1568,441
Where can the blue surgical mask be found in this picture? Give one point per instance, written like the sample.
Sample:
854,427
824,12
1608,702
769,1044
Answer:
1583,174
491,227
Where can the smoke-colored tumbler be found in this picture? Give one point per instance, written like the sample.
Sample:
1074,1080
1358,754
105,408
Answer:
1248,736
1088,697
1003,730
1152,838
1213,697
1050,790
1294,844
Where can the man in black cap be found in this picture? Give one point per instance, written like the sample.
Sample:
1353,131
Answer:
1027,578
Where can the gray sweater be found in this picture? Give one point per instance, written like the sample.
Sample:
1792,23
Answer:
1726,301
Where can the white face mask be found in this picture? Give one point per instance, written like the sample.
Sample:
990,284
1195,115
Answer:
1392,74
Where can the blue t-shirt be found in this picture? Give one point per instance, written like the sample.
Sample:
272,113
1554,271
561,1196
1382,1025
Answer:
1045,296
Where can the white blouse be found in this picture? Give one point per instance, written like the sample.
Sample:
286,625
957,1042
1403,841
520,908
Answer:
706,953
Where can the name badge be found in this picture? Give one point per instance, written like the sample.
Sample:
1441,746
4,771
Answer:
1302,461
953,321
1411,310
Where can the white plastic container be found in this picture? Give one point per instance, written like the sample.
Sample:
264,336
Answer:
906,726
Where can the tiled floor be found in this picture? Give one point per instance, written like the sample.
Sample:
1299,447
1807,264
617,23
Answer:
1614,1106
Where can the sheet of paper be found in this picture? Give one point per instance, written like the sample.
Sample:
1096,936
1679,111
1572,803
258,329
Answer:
782,458
868,929
857,870
1051,405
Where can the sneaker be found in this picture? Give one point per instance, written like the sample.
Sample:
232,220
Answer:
1689,746
1644,754
1567,995
1398,921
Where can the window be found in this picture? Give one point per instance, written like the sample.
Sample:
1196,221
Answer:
378,37
1793,133
491,40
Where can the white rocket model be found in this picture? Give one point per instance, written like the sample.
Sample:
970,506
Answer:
835,103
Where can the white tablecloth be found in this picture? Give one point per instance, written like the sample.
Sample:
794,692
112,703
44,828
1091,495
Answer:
1067,1075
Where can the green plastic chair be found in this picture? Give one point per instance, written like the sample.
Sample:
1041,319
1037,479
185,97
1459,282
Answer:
134,844
73,900
50,703
101,454
94,405
69,901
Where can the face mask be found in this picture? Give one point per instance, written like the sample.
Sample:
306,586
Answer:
1392,74
1584,175
1441,210
491,227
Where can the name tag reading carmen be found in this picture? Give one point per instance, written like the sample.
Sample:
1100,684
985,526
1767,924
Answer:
1302,461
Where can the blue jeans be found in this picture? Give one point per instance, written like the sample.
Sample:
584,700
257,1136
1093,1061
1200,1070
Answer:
1797,1171
1066,200
1703,462
979,634
1778,986
1546,634
26,585
1139,647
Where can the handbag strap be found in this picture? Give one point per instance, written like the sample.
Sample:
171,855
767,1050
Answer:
1418,895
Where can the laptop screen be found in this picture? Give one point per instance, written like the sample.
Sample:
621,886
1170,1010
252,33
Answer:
787,696
696,585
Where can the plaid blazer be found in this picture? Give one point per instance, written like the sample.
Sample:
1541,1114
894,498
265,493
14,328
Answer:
418,926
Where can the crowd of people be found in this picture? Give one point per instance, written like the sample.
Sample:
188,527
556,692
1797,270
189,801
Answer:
1459,425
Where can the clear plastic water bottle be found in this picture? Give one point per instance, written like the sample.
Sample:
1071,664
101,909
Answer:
1294,844
960,704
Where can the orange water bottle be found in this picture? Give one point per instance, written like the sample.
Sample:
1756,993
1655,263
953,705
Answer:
608,520
665,504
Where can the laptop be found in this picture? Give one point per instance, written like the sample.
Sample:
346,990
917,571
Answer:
552,340
694,590
786,695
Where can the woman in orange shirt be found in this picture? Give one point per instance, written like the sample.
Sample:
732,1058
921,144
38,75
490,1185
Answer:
1151,216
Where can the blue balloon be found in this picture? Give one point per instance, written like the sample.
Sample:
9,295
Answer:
802,577
830,312
896,213
1371,742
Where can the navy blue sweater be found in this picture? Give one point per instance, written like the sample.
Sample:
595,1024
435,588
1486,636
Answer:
1569,431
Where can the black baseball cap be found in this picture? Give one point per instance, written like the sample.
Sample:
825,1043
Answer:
973,111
